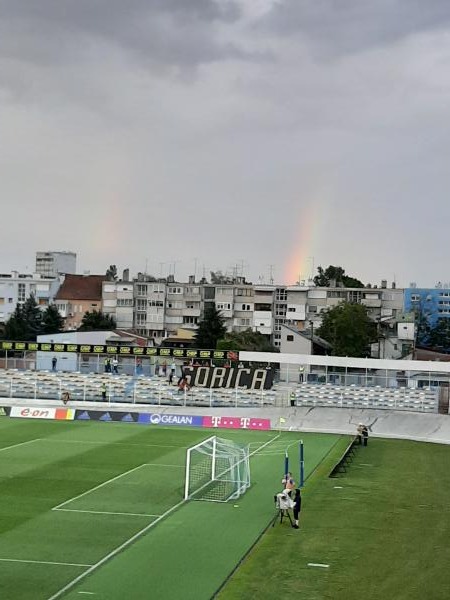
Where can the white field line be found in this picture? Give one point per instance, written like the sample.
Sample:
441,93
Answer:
320,565
104,512
106,443
97,487
130,541
20,444
43,562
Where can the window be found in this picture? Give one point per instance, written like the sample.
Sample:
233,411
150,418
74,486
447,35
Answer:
158,303
312,309
415,297
141,289
223,306
21,294
2,301
354,296
190,320
141,318
141,303
175,304
129,302
289,338
291,309
192,290
263,306
281,294
244,322
245,307
174,290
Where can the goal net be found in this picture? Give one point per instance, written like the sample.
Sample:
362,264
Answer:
217,470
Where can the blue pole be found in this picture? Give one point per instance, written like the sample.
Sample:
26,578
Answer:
286,463
302,464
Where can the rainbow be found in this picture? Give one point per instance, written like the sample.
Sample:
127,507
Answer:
300,263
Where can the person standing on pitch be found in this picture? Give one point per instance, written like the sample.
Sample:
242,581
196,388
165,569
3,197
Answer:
365,434
359,433
297,508
289,483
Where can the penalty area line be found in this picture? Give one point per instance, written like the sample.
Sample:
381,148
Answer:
115,552
20,444
44,562
104,512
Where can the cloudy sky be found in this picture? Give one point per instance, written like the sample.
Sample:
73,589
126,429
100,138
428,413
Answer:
263,136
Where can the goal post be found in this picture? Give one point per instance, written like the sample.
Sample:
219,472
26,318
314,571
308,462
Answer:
217,470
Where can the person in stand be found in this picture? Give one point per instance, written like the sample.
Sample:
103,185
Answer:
183,385
107,363
173,368
365,434
115,365
297,508
54,362
65,397
103,388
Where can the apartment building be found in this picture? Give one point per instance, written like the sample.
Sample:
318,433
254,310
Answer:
78,295
52,264
16,287
160,308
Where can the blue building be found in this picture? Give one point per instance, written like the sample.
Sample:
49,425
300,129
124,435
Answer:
430,304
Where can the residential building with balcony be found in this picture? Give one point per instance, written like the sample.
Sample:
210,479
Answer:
16,287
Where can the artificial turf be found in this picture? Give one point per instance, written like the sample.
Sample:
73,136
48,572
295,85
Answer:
187,554
383,529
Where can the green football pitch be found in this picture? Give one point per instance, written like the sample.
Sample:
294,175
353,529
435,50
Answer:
90,509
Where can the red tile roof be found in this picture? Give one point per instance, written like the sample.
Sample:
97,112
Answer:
81,287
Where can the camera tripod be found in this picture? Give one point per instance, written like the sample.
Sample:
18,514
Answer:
282,513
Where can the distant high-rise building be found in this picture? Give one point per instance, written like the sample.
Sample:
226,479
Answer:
52,264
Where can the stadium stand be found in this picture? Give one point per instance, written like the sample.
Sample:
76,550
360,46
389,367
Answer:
157,391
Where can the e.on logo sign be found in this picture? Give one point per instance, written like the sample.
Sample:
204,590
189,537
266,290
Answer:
26,412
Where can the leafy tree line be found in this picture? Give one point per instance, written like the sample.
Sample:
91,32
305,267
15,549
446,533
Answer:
212,334
28,321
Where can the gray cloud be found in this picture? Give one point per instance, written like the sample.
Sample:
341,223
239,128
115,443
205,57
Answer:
171,32
337,27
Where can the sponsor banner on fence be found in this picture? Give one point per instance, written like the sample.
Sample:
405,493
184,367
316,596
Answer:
165,419
106,415
4,411
236,423
193,353
28,412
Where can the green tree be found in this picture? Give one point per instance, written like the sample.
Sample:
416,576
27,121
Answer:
337,274
439,335
97,321
52,321
15,327
349,330
246,340
211,329
26,321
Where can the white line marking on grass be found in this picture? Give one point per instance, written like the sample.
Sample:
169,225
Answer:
43,562
90,593
97,487
20,444
320,565
130,541
338,487
106,443
103,512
